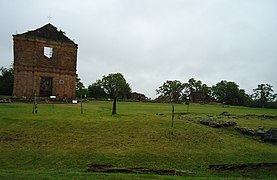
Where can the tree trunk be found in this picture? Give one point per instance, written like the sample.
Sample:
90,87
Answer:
114,106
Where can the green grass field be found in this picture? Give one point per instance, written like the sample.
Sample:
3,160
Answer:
59,141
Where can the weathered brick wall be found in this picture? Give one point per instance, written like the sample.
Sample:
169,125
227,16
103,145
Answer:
23,82
30,65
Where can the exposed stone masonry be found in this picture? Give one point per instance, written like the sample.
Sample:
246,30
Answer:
36,73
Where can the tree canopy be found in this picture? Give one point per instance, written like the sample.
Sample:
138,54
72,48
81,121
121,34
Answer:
193,85
264,94
115,85
197,91
95,90
6,81
80,88
108,85
228,92
172,89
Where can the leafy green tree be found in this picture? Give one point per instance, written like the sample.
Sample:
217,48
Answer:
198,91
193,85
81,91
6,81
95,90
243,98
172,89
125,92
113,85
228,93
264,94
207,92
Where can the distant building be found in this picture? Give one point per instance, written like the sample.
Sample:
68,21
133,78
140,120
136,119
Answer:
200,97
44,64
138,97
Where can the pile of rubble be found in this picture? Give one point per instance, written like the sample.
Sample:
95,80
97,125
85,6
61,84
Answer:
5,100
265,136
217,124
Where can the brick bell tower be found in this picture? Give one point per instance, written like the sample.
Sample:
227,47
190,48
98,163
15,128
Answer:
44,64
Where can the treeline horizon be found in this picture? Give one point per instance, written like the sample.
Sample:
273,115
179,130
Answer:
225,92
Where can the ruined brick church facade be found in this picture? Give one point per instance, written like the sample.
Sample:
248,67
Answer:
44,64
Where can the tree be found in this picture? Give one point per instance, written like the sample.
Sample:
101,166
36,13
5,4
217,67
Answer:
172,89
264,94
193,86
113,85
80,88
6,81
125,92
206,91
228,93
199,92
243,98
95,90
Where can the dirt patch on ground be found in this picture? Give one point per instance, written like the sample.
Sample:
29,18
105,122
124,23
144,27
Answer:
10,137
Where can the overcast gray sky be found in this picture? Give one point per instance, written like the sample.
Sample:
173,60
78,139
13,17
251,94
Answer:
151,41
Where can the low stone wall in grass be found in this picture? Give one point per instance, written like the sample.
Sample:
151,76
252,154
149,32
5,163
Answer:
108,168
223,167
217,122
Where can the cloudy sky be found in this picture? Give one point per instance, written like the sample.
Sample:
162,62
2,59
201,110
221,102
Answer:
151,41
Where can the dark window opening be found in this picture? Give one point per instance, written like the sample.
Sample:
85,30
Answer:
46,86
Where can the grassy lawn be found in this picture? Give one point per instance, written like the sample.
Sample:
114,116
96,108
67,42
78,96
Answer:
59,141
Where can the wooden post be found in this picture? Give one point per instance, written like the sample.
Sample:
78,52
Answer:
114,106
172,116
81,104
187,103
35,106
